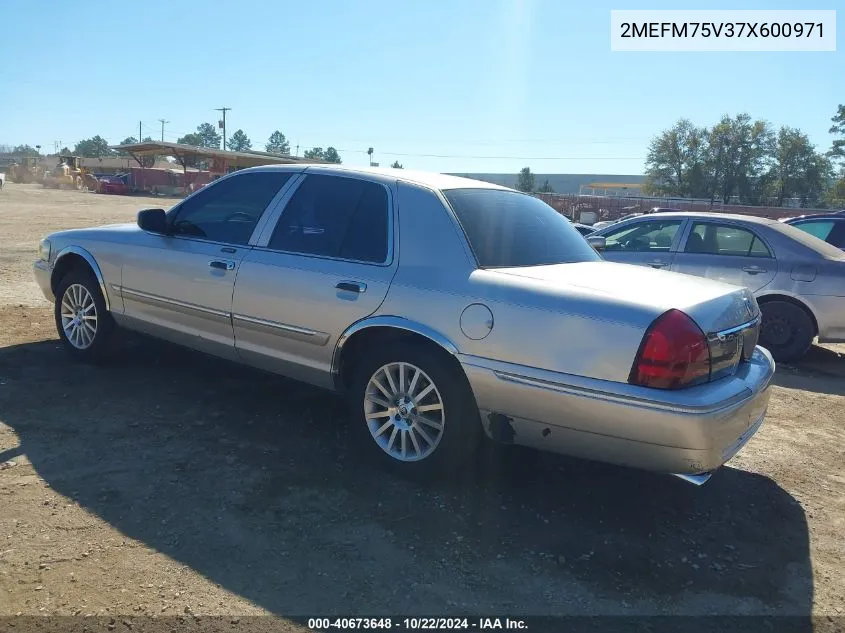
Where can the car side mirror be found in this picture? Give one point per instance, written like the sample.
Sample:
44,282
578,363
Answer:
598,242
153,221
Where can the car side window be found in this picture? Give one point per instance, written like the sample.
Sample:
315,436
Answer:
228,210
724,239
820,228
332,216
652,236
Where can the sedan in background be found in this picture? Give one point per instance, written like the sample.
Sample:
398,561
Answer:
117,184
583,229
797,278
829,227
606,223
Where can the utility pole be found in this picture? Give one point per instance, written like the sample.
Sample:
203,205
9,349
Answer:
140,133
223,124
162,121
297,150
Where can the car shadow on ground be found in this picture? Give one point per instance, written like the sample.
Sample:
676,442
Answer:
821,370
253,482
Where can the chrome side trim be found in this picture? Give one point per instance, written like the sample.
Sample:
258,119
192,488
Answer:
618,398
76,250
313,336
181,306
392,322
725,333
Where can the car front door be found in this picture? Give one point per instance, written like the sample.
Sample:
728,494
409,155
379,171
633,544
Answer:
726,252
179,286
326,263
649,242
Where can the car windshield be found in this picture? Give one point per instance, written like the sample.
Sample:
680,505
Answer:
507,229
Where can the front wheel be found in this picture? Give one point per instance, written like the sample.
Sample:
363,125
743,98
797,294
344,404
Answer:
414,411
84,324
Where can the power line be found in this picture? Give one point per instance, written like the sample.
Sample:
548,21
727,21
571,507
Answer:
479,157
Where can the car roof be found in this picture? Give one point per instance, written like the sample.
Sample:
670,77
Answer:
432,180
818,216
709,216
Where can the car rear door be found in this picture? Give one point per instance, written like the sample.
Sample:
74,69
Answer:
179,286
326,263
650,242
726,251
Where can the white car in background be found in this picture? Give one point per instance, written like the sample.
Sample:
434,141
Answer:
600,225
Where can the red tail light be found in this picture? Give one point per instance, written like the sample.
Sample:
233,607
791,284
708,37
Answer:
674,353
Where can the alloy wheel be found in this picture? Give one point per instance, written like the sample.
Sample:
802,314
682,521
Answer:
404,411
79,316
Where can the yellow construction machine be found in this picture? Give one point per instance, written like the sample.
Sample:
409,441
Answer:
70,173
25,170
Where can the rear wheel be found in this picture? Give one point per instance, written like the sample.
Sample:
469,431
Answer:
787,330
413,410
84,324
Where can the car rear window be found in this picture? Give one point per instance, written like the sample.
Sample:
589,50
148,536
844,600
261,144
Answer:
507,229
810,241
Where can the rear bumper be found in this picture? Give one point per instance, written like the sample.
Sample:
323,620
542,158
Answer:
43,273
689,431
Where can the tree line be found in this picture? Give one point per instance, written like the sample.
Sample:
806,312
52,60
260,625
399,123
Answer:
206,135
746,160
739,159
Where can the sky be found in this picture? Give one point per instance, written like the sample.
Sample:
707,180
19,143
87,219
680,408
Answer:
441,85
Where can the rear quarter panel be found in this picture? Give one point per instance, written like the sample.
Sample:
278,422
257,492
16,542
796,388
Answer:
437,280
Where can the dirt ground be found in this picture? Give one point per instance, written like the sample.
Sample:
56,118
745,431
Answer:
171,484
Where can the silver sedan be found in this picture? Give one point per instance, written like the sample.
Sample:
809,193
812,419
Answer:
443,308
798,279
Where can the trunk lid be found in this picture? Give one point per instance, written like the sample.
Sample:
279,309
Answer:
714,305
728,315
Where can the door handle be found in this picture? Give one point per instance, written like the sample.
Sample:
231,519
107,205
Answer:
352,286
658,264
221,264
754,270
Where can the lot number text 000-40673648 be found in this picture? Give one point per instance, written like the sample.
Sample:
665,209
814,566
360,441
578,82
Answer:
417,623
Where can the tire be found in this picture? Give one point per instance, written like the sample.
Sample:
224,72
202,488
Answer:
436,453
787,330
79,294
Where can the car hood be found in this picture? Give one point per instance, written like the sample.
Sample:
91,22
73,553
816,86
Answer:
104,232
637,290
